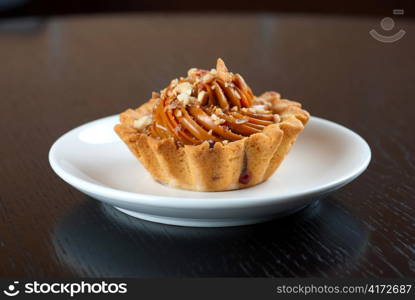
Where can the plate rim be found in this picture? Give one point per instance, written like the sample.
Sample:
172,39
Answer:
189,202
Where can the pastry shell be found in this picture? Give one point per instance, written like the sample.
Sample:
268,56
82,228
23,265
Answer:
218,168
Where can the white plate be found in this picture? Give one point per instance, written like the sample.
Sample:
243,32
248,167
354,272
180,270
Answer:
92,159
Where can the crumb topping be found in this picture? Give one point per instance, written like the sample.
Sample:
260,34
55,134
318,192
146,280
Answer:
215,105
143,122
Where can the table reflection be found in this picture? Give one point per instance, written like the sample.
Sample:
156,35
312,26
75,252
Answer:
321,240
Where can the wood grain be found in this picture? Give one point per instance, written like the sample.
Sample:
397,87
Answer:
56,74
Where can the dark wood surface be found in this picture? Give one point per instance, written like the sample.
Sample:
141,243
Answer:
56,74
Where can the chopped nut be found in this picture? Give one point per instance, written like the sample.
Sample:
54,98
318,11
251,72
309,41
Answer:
143,122
277,118
186,98
170,106
214,117
210,131
234,108
193,72
201,96
184,88
225,142
171,92
219,121
182,97
207,78
174,82
178,113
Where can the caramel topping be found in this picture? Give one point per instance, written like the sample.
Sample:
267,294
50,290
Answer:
215,106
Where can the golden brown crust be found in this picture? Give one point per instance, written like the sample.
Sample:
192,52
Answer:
218,168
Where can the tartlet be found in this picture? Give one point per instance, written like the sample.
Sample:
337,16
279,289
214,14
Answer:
208,132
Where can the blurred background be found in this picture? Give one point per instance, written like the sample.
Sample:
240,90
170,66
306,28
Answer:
17,8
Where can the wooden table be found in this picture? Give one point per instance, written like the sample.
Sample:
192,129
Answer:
56,74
